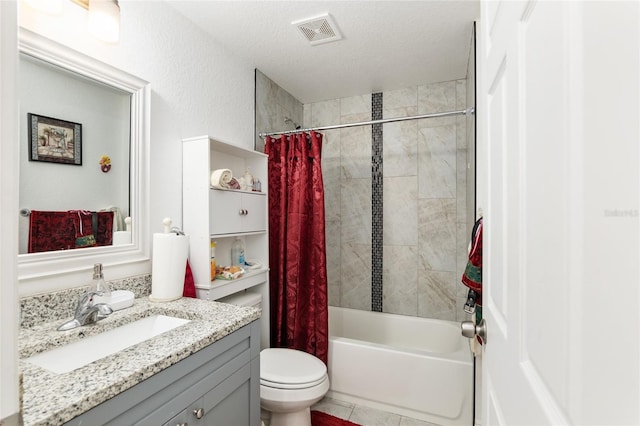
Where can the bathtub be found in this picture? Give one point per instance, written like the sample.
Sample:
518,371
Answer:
415,367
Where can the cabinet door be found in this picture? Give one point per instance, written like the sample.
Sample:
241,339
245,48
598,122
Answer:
235,212
187,416
225,212
254,217
229,403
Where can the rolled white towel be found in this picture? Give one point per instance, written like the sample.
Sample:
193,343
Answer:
220,178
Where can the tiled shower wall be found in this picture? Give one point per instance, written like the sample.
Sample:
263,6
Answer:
415,231
273,105
423,206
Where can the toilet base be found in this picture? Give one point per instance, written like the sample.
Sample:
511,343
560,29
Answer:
295,418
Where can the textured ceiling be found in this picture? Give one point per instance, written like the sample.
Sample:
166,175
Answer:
386,45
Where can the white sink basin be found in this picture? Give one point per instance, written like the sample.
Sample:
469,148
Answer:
80,353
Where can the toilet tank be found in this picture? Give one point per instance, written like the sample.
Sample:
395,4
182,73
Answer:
245,298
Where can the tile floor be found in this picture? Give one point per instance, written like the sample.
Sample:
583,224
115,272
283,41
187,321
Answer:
365,416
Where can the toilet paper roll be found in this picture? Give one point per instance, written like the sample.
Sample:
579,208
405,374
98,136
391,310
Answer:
168,266
121,237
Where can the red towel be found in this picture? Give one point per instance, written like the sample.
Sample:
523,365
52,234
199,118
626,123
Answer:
82,223
104,233
64,230
189,285
472,276
51,231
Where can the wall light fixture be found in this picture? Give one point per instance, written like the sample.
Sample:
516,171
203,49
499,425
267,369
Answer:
50,7
104,20
103,15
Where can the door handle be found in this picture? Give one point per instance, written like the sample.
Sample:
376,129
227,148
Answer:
471,330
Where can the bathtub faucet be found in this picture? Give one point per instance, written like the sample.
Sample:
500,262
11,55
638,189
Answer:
470,304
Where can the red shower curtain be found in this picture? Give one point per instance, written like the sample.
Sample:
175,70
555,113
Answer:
298,267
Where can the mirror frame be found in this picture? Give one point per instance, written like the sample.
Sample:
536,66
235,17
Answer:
57,270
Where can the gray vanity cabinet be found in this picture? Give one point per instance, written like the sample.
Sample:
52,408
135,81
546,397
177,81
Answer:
218,385
224,405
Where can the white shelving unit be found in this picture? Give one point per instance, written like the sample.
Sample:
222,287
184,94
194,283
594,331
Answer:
222,215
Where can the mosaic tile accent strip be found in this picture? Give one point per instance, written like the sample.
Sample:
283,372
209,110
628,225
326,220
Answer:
376,204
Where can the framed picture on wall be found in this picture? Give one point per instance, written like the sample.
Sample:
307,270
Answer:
54,140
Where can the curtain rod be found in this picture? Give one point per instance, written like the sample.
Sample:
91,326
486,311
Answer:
367,123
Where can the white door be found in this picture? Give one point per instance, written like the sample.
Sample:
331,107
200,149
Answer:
558,159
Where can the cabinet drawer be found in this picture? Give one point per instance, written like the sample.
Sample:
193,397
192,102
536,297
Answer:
232,212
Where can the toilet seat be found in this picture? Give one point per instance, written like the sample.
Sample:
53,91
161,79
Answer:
277,385
282,368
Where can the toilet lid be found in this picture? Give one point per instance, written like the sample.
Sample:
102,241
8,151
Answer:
290,368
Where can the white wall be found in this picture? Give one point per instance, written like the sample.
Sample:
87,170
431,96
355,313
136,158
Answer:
197,86
9,399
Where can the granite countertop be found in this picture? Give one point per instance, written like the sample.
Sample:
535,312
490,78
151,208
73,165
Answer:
52,399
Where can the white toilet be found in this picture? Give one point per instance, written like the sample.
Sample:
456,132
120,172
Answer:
291,381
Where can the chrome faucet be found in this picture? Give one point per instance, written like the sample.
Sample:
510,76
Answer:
87,312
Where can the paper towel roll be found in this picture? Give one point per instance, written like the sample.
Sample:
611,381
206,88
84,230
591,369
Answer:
121,237
168,267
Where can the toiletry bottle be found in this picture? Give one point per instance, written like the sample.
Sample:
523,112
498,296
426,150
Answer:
237,253
248,179
213,260
98,283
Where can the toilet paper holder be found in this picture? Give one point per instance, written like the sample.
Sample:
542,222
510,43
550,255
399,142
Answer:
166,223
177,230
170,256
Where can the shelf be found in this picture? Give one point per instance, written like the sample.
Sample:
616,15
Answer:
237,234
222,214
213,188
222,288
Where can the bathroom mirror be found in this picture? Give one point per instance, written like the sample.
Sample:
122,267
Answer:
88,110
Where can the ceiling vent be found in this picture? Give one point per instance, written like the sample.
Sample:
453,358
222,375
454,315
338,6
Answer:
320,29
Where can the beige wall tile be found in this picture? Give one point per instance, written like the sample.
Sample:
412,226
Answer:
355,291
400,211
400,277
437,162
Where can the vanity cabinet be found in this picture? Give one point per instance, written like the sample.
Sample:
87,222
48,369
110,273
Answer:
219,384
211,214
224,405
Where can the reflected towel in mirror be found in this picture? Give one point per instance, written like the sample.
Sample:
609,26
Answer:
64,230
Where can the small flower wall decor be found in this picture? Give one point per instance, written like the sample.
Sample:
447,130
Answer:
105,163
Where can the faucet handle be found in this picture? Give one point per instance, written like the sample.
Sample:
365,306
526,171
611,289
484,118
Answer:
89,295
86,299
104,309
